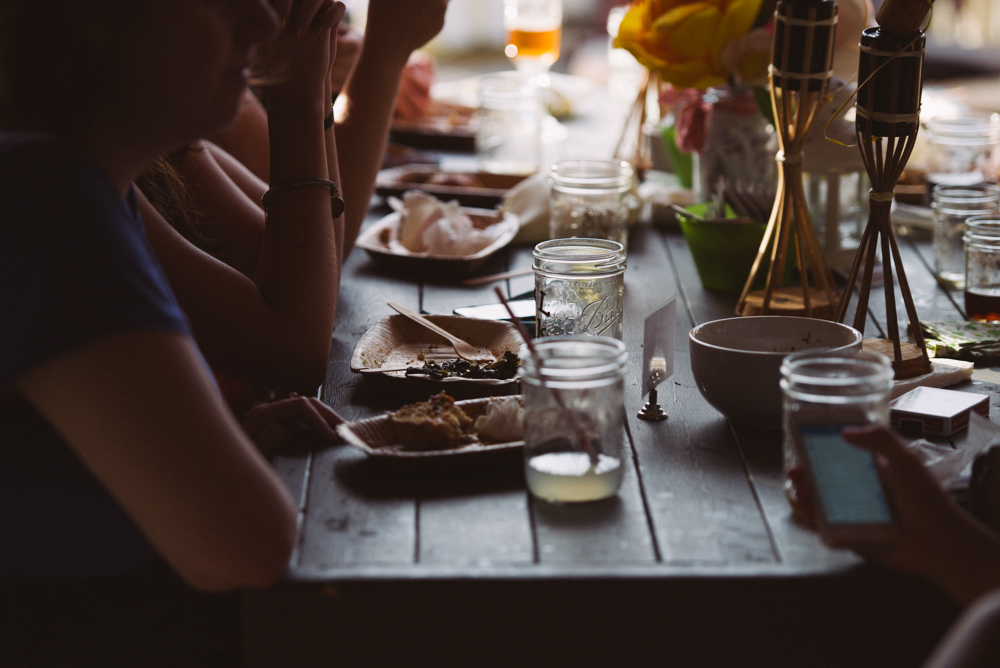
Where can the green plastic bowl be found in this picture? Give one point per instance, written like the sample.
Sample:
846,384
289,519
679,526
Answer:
723,252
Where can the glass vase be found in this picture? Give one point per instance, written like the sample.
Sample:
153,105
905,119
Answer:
739,148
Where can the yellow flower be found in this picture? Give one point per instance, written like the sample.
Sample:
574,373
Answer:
684,41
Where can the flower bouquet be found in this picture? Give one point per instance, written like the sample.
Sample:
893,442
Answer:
708,61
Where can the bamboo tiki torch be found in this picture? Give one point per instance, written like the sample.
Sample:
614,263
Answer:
890,72
801,67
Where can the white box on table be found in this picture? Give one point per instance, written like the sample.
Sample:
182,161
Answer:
932,410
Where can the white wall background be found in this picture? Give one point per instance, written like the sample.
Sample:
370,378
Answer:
478,24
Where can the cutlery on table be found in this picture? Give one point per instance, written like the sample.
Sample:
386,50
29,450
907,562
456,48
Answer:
464,349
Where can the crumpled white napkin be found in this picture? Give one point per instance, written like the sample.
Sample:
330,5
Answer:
429,226
503,421
952,467
529,199
945,372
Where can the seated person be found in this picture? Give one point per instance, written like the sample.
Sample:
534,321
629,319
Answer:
126,486
262,305
937,540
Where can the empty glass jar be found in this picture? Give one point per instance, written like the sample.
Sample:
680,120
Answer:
590,199
579,287
508,138
963,150
951,206
573,417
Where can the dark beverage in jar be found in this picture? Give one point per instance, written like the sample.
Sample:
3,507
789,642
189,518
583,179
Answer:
982,303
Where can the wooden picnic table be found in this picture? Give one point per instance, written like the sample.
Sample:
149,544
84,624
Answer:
698,557
696,562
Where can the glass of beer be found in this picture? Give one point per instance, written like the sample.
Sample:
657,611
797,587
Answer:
534,31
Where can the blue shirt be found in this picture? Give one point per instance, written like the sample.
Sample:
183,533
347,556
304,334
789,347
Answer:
75,267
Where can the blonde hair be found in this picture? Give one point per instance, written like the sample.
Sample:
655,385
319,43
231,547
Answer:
166,190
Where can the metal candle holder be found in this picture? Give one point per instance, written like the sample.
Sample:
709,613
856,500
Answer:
888,116
652,411
801,67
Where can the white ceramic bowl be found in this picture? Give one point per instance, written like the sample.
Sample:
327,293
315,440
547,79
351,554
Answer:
736,361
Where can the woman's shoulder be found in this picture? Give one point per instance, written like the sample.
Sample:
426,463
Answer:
30,162
46,183
30,149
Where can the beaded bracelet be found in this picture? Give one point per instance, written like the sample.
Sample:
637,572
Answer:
336,203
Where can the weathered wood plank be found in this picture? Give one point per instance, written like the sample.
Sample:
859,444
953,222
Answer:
364,292
613,531
932,301
761,451
473,517
696,488
482,528
931,294
358,513
798,546
353,513
521,258
445,295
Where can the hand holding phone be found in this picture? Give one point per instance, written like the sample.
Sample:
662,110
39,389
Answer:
853,508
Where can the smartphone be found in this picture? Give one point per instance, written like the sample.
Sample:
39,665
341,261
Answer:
853,507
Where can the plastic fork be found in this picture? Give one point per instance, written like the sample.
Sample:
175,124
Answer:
465,350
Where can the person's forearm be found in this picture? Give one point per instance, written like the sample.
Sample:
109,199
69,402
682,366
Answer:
298,271
246,138
361,137
334,170
332,165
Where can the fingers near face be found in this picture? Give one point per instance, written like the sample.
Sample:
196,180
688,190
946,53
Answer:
308,14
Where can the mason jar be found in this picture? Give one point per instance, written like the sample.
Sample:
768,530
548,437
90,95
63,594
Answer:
952,205
982,268
832,388
579,287
508,137
590,199
574,417
963,150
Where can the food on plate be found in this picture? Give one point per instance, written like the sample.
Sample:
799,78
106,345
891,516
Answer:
433,424
414,96
459,179
427,225
397,155
502,422
442,117
504,368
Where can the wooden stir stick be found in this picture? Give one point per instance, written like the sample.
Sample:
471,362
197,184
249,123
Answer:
556,394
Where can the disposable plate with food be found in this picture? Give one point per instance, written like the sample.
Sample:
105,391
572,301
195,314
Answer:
411,359
381,241
382,437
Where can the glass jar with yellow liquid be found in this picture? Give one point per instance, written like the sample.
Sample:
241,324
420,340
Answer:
534,32
574,417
